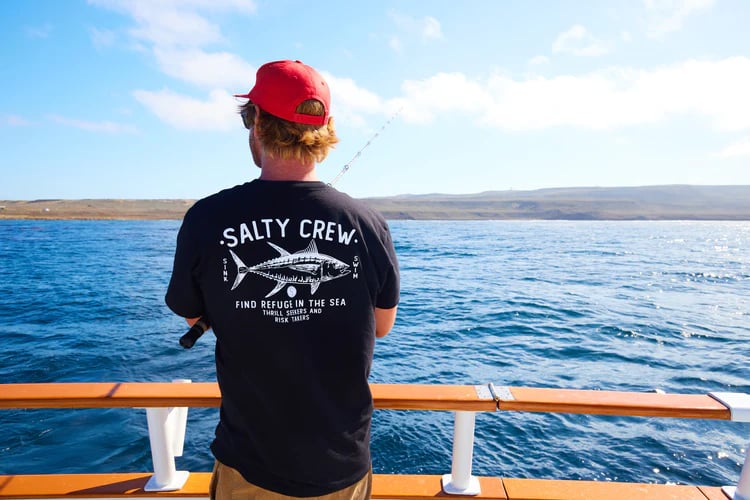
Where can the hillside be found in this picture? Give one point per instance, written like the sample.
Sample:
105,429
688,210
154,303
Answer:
675,202
586,203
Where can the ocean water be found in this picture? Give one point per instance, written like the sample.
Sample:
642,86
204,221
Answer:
634,306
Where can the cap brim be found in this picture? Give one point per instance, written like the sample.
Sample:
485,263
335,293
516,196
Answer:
244,96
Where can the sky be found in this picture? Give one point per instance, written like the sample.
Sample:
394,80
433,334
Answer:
133,98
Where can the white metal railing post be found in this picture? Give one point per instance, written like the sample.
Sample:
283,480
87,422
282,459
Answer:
460,481
743,485
166,434
738,404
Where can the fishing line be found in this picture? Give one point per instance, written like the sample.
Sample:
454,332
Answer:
348,165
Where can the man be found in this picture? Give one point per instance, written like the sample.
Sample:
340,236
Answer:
296,279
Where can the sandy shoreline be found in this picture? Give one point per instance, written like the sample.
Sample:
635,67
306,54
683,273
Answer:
101,209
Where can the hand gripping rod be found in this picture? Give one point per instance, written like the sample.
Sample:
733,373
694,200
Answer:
199,328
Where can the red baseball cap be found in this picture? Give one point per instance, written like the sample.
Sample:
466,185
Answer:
281,86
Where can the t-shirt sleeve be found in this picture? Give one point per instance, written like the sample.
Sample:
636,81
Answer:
388,295
183,294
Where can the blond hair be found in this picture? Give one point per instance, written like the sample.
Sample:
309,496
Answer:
294,141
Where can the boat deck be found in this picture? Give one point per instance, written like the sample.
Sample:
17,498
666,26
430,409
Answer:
412,487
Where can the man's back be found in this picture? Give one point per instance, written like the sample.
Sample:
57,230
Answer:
290,274
296,280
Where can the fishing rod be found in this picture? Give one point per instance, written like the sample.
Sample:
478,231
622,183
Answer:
348,165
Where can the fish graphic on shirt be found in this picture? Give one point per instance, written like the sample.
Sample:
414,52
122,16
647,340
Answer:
306,267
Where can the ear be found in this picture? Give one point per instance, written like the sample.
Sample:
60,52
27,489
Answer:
256,120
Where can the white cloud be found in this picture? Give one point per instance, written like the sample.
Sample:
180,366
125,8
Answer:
14,121
737,150
623,140
175,22
349,101
427,28
210,70
578,41
444,92
175,28
103,126
667,16
615,98
395,43
175,31
218,112
347,93
42,31
431,28
538,60
102,38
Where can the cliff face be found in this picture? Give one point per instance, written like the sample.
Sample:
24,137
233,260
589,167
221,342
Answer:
681,202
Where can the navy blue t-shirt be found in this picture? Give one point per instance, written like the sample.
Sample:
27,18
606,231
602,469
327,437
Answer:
289,274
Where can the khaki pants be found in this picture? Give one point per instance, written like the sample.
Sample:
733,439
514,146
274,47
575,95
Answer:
228,484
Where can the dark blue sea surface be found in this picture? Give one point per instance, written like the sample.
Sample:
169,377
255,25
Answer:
634,306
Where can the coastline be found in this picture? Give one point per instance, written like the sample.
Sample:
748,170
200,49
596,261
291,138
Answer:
94,209
671,202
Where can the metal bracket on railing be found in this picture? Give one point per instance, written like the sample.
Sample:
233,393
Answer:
500,394
460,481
166,433
737,402
491,391
483,391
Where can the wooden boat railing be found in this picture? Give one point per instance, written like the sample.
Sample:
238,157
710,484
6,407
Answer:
166,406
